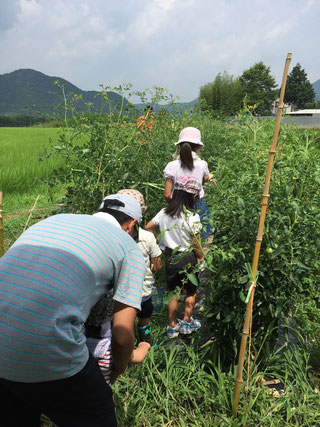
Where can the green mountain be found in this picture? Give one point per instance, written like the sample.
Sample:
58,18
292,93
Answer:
24,91
316,87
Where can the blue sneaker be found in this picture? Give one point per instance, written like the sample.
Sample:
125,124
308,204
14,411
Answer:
173,332
195,324
187,328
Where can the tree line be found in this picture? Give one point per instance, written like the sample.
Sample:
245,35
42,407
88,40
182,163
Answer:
258,88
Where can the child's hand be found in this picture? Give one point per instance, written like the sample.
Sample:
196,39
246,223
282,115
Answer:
144,345
201,264
211,179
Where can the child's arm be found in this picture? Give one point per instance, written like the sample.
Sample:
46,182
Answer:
140,353
167,189
197,248
156,264
151,227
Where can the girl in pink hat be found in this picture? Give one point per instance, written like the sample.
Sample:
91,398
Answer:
189,163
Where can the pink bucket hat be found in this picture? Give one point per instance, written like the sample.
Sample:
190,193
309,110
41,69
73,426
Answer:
192,135
188,183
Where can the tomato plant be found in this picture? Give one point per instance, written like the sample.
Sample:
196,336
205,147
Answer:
289,256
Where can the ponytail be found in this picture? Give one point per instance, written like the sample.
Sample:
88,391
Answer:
186,156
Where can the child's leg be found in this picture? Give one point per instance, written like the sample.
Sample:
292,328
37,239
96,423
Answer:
189,306
173,311
144,322
189,324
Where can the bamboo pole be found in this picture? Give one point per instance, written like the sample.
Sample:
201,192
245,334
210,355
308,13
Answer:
102,188
34,210
30,215
1,226
255,261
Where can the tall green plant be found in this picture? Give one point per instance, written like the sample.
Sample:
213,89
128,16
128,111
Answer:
288,258
108,150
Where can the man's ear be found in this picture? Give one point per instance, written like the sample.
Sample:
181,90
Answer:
128,226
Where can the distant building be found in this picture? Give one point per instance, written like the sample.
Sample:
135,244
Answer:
304,113
287,108
308,118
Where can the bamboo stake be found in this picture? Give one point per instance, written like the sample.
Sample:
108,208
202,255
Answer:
34,210
30,215
1,226
102,188
255,261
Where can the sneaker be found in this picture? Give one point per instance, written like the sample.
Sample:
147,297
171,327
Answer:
173,332
195,324
187,328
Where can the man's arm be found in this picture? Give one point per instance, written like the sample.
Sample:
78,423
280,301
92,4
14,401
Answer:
122,338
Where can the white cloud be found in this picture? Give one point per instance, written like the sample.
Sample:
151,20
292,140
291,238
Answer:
169,43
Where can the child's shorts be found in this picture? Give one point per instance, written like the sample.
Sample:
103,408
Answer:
173,277
146,309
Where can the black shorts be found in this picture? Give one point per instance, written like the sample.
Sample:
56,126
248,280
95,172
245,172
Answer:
83,400
173,277
146,309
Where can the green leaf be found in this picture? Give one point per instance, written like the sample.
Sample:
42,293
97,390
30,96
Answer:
192,279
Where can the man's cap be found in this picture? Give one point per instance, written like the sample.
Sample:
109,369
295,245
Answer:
189,184
123,203
136,195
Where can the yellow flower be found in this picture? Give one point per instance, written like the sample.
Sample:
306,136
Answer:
294,177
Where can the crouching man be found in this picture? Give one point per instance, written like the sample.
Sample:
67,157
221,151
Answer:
50,279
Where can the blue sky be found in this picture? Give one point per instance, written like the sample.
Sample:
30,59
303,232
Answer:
175,44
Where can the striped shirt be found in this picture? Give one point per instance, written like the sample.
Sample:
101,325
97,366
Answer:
49,280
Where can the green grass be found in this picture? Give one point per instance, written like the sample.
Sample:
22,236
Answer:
20,165
14,204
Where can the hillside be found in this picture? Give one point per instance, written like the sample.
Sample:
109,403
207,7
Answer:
316,87
28,90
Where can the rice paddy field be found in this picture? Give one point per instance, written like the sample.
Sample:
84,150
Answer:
25,173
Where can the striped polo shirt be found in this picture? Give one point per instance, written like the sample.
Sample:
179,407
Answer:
49,280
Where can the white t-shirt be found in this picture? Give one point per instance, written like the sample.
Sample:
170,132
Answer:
148,245
178,231
174,171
